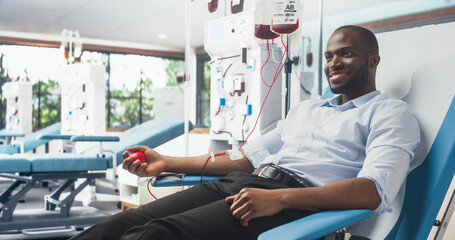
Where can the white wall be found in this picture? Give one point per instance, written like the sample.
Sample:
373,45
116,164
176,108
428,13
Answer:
333,20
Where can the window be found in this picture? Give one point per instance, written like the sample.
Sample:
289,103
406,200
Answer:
130,82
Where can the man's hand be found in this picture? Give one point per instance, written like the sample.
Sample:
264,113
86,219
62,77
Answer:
252,203
153,165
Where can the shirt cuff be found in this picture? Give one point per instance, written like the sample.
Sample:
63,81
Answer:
381,180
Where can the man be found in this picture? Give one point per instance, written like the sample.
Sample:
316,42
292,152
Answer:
352,151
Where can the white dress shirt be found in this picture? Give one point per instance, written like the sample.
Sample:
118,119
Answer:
320,141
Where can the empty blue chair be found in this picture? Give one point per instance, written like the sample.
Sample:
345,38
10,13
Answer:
68,167
28,142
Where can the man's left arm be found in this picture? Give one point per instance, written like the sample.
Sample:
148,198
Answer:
354,193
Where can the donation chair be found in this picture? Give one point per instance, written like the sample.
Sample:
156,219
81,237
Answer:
22,143
89,165
432,101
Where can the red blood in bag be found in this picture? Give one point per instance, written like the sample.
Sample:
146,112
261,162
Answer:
263,32
236,8
213,5
285,28
137,156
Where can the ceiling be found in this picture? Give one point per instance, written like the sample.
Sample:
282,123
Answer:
134,21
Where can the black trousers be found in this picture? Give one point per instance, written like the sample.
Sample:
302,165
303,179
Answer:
197,213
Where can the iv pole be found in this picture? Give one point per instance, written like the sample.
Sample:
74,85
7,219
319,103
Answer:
187,77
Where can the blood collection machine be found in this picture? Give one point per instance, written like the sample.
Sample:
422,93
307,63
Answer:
83,99
237,89
18,106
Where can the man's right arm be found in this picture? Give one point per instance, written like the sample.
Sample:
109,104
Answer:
157,163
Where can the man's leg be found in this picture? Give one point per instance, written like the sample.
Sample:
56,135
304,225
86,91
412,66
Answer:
197,213
115,226
211,221
215,220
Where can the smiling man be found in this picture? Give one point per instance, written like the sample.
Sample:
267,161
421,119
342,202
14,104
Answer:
352,58
350,151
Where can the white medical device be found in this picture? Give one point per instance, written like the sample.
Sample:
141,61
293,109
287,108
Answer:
18,106
83,99
237,90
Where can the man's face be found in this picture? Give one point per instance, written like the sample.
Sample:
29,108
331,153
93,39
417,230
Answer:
347,67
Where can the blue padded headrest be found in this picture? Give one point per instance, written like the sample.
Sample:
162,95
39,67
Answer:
151,133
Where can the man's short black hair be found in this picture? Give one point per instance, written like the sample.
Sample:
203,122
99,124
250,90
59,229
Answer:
367,34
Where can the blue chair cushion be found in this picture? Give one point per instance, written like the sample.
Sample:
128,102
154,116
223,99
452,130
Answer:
61,162
12,164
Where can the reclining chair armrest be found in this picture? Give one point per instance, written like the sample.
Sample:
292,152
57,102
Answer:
316,225
188,180
10,138
95,139
6,135
102,150
64,139
53,137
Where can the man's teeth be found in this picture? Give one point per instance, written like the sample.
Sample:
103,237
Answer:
337,75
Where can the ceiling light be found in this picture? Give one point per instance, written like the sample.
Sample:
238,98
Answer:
162,36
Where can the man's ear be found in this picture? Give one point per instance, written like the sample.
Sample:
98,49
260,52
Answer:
373,60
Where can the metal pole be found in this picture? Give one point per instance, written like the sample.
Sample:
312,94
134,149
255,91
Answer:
320,48
2,80
108,69
288,71
187,76
141,83
39,103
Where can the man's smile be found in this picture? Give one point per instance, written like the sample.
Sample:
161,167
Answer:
337,76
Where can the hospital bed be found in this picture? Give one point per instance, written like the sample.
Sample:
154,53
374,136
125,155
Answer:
432,101
21,143
28,170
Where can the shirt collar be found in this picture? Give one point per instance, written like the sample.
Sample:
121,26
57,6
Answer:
357,102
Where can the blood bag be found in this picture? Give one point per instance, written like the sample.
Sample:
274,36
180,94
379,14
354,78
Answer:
309,55
212,5
286,14
262,19
236,6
